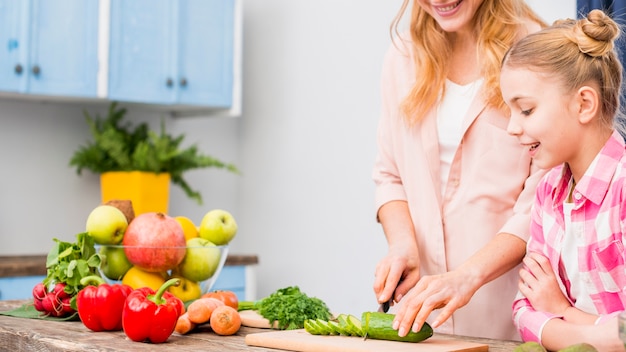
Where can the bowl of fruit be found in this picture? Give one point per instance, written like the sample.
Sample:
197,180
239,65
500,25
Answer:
153,247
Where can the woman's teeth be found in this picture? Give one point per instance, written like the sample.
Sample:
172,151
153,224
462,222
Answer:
449,7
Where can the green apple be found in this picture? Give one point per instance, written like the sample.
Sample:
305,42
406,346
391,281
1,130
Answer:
106,224
187,290
115,264
218,226
201,260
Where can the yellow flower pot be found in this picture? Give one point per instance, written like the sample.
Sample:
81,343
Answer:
149,192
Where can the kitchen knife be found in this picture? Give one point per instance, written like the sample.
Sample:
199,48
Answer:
384,307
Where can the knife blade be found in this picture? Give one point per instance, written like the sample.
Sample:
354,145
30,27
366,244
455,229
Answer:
384,307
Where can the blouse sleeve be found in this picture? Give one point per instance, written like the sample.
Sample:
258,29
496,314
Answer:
528,321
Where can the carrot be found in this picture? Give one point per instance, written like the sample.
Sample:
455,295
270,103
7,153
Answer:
225,320
199,311
184,325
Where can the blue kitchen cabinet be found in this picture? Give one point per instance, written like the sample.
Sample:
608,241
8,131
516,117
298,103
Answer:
49,47
175,52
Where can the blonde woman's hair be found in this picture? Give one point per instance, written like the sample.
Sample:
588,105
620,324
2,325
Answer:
499,23
577,52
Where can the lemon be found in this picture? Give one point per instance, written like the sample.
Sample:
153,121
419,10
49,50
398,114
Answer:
189,228
137,278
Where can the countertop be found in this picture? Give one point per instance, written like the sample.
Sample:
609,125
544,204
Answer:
34,265
20,334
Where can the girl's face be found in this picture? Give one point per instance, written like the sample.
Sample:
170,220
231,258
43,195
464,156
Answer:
452,15
543,116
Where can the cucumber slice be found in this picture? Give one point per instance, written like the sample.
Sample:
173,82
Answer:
355,325
311,327
348,328
326,327
336,328
378,326
322,327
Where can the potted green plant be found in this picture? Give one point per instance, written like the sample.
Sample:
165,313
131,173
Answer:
133,158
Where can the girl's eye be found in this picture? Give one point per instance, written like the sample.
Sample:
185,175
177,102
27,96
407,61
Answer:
526,112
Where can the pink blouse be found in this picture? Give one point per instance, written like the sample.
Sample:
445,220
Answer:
490,189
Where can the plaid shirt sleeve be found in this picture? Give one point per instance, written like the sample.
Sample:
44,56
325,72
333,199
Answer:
528,321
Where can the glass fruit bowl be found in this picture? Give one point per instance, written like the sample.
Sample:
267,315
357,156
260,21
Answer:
198,266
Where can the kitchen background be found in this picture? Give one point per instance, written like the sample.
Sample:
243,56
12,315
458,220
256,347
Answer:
305,142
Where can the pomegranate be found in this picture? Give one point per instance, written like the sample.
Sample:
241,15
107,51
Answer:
154,242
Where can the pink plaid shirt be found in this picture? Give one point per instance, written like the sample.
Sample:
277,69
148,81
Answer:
599,214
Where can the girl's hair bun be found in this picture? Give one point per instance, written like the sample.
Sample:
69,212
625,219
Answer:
596,34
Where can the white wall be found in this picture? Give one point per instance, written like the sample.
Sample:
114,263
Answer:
311,105
305,144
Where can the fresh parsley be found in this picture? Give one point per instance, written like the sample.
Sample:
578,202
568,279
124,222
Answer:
289,308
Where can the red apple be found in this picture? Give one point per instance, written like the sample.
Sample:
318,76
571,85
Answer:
154,242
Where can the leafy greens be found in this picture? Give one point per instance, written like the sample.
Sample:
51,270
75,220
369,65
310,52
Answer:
289,308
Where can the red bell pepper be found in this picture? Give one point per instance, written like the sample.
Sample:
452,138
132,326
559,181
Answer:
150,315
100,307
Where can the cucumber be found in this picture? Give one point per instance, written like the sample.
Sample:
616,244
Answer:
530,346
311,327
355,325
579,347
378,326
336,328
324,327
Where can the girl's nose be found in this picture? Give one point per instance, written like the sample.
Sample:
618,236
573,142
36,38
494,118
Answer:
513,128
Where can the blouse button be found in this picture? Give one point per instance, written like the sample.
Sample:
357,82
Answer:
578,196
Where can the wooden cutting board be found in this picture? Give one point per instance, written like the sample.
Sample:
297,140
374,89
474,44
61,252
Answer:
302,341
253,319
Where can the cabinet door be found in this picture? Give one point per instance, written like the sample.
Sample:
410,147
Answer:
63,47
49,47
13,45
142,55
206,52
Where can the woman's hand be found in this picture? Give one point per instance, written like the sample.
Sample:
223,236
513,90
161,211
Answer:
396,273
449,291
540,286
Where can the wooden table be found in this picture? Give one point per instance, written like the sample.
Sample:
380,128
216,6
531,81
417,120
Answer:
19,334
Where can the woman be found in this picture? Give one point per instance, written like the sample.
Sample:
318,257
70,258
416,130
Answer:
453,189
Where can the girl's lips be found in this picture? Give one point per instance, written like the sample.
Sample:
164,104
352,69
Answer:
532,148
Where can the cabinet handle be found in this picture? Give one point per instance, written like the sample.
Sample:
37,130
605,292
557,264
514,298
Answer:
19,69
169,82
36,70
183,82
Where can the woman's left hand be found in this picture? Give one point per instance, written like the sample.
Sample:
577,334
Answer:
539,285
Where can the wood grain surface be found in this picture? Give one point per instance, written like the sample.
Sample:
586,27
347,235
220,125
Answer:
302,341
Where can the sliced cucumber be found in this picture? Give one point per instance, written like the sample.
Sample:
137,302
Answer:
355,325
336,328
326,328
311,327
378,326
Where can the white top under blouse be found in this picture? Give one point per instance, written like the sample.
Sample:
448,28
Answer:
450,113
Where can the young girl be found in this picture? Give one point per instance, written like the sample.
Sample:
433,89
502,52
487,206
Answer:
562,85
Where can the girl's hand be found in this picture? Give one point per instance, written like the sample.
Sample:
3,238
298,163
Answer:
540,286
449,291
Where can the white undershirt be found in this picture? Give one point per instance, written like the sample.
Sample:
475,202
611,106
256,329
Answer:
573,237
450,114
